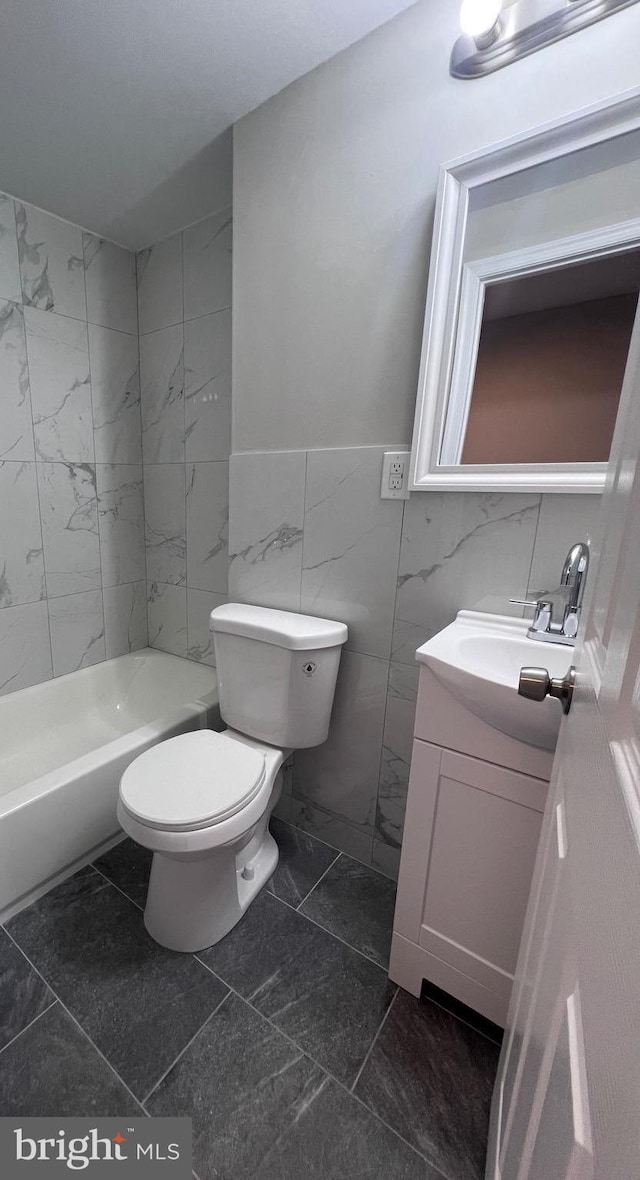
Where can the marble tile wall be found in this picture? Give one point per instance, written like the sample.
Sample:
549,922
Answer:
309,532
72,560
184,309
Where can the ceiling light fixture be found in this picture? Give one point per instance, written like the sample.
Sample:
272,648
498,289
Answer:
493,37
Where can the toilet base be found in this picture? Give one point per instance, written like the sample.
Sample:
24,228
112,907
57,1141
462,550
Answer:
192,903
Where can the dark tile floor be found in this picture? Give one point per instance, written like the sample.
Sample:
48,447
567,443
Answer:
286,1043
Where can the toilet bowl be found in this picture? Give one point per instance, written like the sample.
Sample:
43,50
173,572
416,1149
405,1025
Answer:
202,801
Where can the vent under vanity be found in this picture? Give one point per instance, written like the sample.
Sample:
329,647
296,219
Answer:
480,769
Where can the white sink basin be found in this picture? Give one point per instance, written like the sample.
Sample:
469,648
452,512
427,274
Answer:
479,657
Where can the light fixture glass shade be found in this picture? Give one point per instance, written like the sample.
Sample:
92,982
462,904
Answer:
480,19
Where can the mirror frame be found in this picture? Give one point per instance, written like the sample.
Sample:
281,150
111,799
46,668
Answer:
455,300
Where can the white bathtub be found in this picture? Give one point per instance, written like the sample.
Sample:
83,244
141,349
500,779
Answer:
63,747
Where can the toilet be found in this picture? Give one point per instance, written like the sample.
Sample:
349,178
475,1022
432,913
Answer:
202,801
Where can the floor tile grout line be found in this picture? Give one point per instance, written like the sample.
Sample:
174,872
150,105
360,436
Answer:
344,942
120,891
331,933
340,851
434,1167
327,1072
76,1022
231,990
196,1034
274,1026
374,1041
29,1025
320,878
304,831
297,909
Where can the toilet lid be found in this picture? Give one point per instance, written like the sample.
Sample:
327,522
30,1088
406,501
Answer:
192,781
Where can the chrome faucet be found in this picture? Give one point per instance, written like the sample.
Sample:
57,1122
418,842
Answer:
557,612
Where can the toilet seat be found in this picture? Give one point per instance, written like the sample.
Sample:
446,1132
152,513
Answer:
193,781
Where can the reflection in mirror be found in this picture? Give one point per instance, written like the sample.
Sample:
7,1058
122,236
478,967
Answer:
550,364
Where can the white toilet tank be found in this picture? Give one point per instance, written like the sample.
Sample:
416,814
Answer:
276,673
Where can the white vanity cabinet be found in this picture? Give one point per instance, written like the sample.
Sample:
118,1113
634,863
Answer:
472,824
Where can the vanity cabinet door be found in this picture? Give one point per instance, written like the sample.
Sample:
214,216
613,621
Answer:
471,835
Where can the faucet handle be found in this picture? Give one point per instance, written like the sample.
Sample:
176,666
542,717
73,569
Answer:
536,595
543,616
571,621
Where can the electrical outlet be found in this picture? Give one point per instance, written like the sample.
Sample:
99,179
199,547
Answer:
395,475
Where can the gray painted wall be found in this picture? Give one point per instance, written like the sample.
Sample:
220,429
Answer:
334,188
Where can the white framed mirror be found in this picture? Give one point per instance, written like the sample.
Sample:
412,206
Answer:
533,291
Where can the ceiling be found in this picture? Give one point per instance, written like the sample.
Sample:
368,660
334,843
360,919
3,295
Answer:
115,113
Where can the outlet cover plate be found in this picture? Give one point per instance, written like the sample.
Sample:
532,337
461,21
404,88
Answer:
395,475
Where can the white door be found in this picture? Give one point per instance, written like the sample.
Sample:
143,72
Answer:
567,1099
